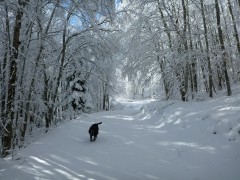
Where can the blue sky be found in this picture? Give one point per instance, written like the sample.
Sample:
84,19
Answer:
75,20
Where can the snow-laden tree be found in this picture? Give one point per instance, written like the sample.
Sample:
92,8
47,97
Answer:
190,46
40,41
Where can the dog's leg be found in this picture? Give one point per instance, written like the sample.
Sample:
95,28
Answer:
91,133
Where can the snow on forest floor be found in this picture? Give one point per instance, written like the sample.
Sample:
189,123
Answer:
161,141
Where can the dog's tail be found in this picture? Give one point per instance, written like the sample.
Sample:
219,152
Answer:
99,123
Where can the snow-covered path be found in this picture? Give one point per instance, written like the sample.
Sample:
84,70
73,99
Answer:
126,149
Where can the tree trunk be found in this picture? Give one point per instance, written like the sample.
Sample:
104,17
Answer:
165,25
224,54
192,67
161,62
186,70
164,77
210,78
4,79
8,134
234,35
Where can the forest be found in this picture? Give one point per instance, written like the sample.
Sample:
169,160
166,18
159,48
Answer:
62,58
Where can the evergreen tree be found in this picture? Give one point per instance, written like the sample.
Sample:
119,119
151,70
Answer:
79,98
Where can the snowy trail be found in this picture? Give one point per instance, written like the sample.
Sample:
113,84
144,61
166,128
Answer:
126,149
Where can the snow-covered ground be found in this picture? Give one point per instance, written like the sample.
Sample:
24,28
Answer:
160,141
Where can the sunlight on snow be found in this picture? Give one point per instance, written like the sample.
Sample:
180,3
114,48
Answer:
66,174
189,144
146,117
179,121
87,160
229,108
40,160
34,169
172,117
127,118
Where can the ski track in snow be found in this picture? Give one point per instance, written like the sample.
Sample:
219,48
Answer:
127,148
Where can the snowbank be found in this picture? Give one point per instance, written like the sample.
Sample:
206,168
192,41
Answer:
220,116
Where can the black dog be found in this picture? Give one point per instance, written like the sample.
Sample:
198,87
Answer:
93,131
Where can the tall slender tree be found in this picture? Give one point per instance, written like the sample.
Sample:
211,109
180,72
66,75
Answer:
224,54
210,75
